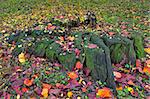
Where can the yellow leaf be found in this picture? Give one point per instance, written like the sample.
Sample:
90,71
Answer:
44,92
147,50
18,96
78,97
71,38
69,94
130,89
22,58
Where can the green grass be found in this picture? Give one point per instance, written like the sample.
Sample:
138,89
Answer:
109,10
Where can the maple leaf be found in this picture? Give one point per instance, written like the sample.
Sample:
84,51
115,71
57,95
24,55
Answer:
79,65
104,93
72,75
28,82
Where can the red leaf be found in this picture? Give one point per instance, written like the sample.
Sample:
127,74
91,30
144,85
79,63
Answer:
138,63
86,71
77,52
79,65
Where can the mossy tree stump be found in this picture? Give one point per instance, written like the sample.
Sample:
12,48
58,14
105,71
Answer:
47,43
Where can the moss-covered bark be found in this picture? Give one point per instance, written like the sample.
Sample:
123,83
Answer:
97,59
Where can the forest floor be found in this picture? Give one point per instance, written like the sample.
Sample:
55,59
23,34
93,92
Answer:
48,80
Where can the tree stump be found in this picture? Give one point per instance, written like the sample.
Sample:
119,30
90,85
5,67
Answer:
99,60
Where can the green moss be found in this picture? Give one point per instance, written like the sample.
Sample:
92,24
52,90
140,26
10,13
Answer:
138,44
117,52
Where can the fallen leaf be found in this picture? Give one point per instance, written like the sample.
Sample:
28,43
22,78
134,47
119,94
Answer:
21,58
104,93
130,82
117,74
71,38
111,33
79,65
130,89
24,89
72,75
84,89
44,92
28,82
138,63
48,86
77,52
50,27
86,71
69,94
119,88
148,63
146,69
147,50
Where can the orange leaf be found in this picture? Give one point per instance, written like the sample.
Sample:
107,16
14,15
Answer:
28,82
119,88
79,65
84,89
44,92
104,93
146,70
72,75
48,86
130,82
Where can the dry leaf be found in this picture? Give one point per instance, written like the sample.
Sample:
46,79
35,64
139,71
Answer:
69,94
72,75
104,93
21,58
147,50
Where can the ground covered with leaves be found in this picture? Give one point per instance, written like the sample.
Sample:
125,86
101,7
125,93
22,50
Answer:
27,76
